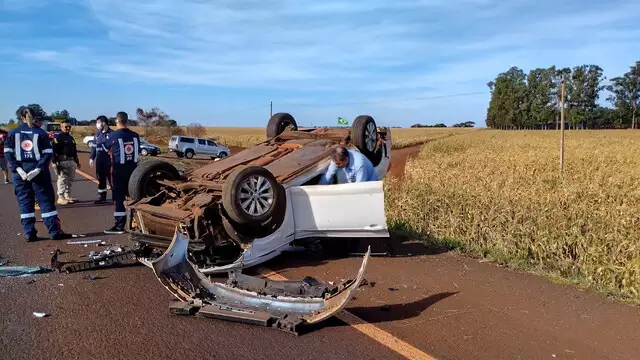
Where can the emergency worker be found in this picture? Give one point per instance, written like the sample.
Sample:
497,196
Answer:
124,147
100,157
3,160
28,150
65,161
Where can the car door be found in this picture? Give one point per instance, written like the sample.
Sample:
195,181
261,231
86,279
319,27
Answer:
213,148
203,149
340,210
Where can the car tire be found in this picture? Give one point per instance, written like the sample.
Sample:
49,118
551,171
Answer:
144,152
142,181
222,154
364,136
179,154
234,191
90,144
189,154
280,122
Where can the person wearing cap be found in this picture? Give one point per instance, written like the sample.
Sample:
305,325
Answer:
28,151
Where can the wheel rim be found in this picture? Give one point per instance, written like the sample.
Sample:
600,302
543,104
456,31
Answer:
256,195
144,152
371,136
151,185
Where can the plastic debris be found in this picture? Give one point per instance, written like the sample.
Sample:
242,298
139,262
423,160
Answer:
40,314
6,271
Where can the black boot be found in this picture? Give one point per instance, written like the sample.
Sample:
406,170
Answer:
61,235
116,230
102,198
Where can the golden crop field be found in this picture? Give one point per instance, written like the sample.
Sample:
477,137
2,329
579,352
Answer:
499,194
244,137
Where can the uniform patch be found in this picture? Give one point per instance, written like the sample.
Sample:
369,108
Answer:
26,145
128,149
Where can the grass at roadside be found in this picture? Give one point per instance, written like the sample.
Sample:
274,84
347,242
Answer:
499,194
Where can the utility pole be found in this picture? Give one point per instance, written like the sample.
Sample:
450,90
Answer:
562,127
270,109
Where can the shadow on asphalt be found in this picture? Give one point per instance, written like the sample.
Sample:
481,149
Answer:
381,314
83,204
338,248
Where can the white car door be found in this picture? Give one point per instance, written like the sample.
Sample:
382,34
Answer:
203,149
213,148
341,210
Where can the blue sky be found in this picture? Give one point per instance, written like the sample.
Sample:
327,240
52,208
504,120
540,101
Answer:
221,62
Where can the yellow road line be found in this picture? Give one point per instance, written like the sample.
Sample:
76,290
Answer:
366,328
357,323
87,176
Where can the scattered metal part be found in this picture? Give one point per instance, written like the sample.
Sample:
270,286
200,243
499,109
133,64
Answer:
83,242
100,260
40,314
6,271
283,305
394,289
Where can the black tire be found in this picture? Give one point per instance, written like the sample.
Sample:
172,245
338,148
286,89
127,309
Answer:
189,154
279,123
361,138
179,154
142,182
90,143
222,154
144,152
232,192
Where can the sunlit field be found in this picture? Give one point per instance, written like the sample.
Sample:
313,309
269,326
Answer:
500,194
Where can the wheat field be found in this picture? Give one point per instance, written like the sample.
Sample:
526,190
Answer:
500,194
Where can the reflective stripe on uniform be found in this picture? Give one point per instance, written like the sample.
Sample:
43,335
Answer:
47,151
50,214
121,145
8,150
102,190
135,149
119,214
36,151
27,216
17,146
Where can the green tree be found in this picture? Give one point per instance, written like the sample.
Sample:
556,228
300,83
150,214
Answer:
625,95
540,94
583,92
507,107
40,113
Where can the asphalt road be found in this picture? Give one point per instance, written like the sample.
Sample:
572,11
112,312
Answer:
444,305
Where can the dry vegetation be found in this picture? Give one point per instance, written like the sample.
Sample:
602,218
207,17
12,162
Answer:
499,194
402,138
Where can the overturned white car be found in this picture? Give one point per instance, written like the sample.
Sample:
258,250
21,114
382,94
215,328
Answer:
247,208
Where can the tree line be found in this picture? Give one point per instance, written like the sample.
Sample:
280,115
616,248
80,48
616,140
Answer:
534,100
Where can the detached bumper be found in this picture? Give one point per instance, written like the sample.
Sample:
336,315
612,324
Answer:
284,305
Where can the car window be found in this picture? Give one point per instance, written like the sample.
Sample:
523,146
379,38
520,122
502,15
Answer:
211,143
187,140
202,142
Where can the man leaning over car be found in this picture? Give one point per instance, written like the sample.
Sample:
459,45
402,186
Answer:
353,164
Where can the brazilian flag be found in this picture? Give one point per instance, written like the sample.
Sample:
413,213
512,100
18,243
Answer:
342,121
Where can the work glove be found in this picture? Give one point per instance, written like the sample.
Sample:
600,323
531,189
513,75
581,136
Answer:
22,174
91,162
33,173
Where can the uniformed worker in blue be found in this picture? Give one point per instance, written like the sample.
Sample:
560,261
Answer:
100,157
355,167
124,149
29,153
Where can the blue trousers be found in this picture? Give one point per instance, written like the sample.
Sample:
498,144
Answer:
103,169
119,192
40,189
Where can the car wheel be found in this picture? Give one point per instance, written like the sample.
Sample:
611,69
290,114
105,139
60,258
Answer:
144,152
144,179
280,122
90,143
222,154
179,154
189,154
252,196
364,136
